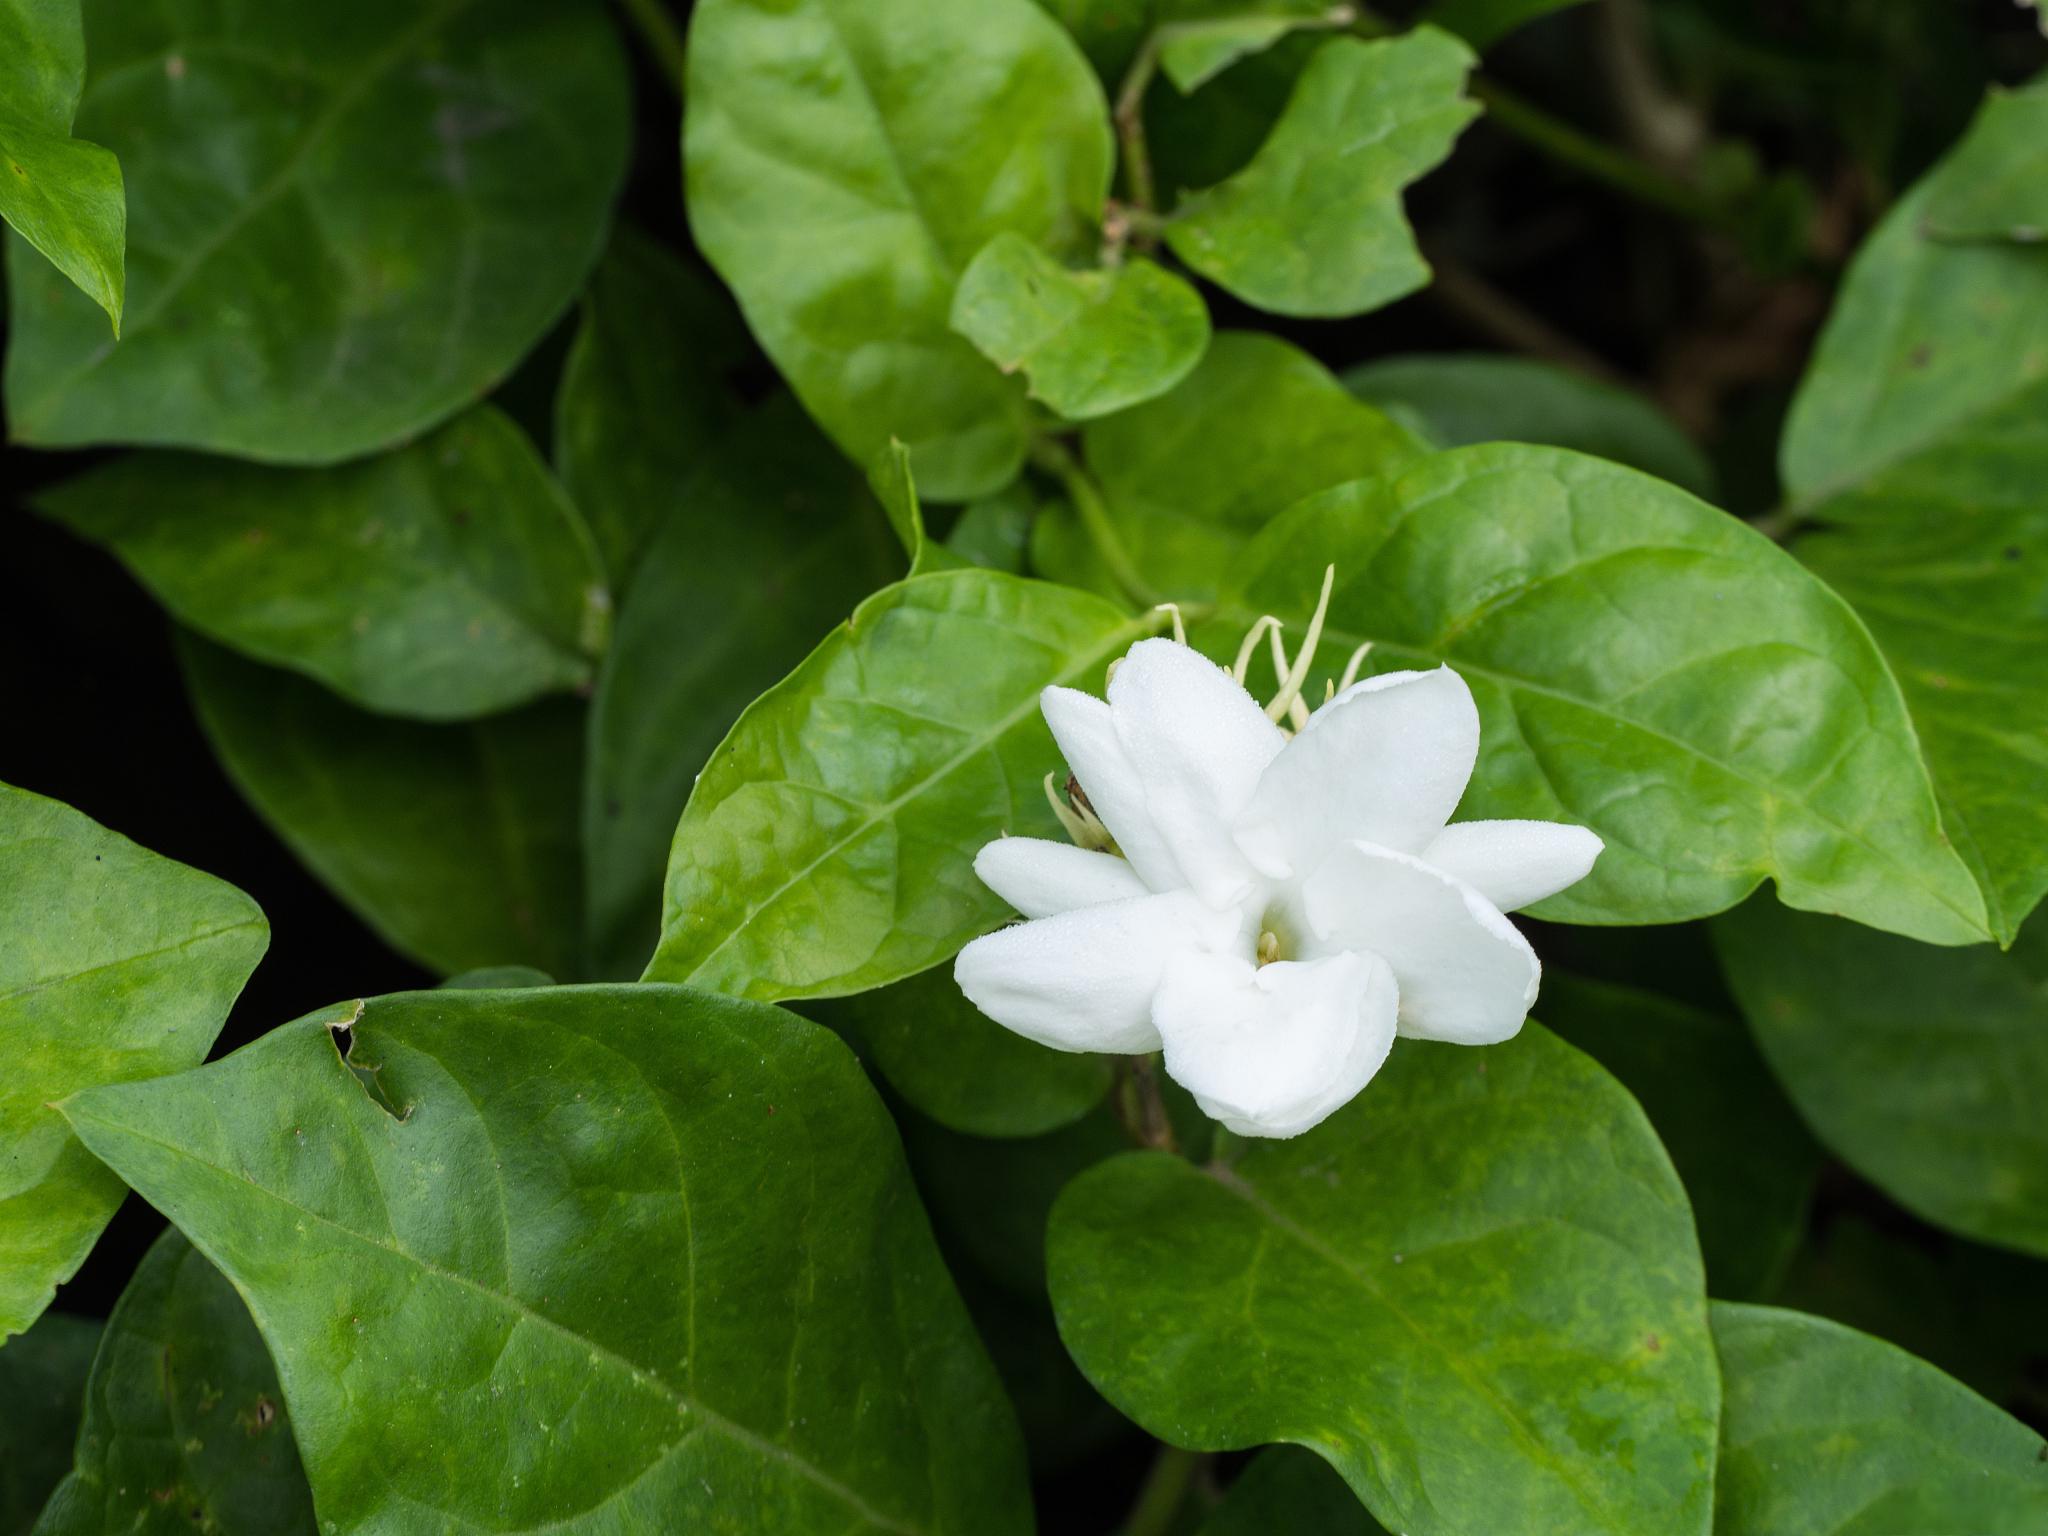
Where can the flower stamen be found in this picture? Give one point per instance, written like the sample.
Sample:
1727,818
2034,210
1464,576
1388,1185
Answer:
1269,947
1180,628
1243,667
1083,827
1351,667
1297,710
1290,688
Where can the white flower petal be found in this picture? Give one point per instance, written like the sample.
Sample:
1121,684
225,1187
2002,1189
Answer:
1040,877
1385,761
1465,972
1199,743
1514,864
1273,1050
1084,981
1087,738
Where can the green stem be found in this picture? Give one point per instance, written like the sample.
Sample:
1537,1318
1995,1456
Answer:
1164,1491
1130,134
1780,524
664,39
1053,457
1582,152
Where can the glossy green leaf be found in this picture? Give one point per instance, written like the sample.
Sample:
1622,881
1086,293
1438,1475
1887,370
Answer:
1924,1069
1314,225
1458,398
1747,1163
1995,186
1089,342
1475,1291
774,541
645,396
1259,425
345,222
446,580
1917,446
1828,1432
1285,1489
532,1279
456,843
118,964
185,1427
1194,52
42,1394
829,845
1484,22
895,487
62,194
1644,665
963,1069
846,159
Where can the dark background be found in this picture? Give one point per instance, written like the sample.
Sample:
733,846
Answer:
1852,99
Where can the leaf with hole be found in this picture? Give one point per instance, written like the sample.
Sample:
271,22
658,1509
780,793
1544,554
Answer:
118,964
529,1277
1475,1291
345,222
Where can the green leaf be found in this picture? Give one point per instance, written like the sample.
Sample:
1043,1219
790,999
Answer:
497,978
1454,399
62,194
532,1277
995,532
347,222
846,159
456,843
42,1393
1476,1292
889,477
645,396
1828,1432
185,1427
1259,425
1644,665
1917,446
1285,1489
1924,1069
1748,1165
1192,53
1089,342
963,1069
1485,22
829,845
775,541
118,965
446,580
1995,186
1314,225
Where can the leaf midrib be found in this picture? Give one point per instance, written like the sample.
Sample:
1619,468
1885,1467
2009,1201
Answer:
710,1418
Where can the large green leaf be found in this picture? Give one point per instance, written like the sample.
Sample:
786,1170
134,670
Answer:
772,542
42,1393
1919,445
1259,425
645,395
346,221
117,964
1088,342
1828,1432
585,1259
185,1427
1456,398
1644,665
456,843
962,1068
449,579
1925,1069
1995,187
1747,1163
1314,225
829,846
846,159
62,194
1475,1291
1285,1489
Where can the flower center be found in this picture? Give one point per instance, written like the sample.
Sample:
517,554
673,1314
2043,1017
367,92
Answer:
1277,936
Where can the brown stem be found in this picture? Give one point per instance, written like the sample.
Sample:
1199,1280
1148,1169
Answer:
1141,1106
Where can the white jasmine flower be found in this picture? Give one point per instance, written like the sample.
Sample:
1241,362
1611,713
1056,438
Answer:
1274,911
